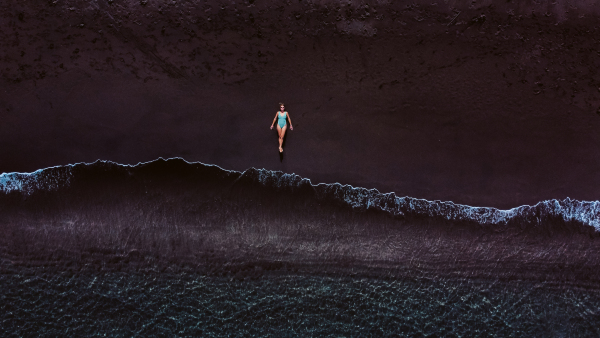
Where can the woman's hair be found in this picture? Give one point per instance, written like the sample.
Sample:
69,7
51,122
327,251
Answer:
281,104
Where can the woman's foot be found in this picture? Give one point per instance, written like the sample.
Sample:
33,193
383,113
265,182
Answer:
280,150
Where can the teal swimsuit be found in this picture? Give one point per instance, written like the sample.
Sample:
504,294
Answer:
281,120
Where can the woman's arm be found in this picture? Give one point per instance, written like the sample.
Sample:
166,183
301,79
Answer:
289,119
274,120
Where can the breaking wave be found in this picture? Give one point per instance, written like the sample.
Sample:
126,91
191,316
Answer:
62,179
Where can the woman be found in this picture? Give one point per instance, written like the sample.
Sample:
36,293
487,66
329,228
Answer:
281,117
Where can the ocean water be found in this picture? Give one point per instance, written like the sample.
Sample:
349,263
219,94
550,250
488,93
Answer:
171,248
53,303
176,177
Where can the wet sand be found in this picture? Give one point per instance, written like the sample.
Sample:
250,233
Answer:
170,215
481,104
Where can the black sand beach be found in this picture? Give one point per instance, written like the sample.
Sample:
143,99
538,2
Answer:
481,117
487,104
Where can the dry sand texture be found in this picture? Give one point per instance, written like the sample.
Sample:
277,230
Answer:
489,103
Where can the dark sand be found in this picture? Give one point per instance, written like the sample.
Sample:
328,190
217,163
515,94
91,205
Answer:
478,102
493,107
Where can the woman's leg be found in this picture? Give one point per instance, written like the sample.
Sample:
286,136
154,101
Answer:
282,135
281,132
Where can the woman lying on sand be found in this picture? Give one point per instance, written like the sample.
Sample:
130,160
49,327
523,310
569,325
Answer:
281,116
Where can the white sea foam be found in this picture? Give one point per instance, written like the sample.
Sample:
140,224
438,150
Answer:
567,210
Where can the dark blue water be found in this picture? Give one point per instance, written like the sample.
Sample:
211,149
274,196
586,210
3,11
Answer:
81,246
177,177
46,303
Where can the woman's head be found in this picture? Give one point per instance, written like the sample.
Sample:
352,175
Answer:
281,105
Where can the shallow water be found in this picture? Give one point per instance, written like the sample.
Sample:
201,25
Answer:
171,248
42,302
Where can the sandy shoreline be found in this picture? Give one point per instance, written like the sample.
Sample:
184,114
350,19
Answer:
174,216
494,110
